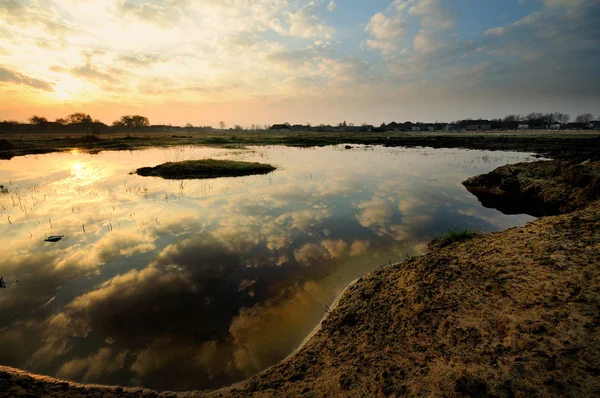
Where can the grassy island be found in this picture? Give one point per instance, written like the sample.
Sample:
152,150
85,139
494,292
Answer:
205,168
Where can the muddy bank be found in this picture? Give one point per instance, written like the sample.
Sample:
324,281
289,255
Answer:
539,189
513,313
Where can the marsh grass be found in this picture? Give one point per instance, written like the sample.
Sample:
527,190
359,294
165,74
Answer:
459,235
205,168
33,143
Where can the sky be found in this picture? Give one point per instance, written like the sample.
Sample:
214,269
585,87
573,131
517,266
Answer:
320,61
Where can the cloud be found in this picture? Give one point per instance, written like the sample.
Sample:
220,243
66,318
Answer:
8,76
435,14
386,32
265,333
93,73
165,13
98,365
35,14
331,6
304,23
141,59
312,254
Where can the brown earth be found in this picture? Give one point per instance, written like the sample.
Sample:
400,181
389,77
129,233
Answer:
539,189
509,314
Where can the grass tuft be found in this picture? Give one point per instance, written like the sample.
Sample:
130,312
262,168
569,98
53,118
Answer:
459,235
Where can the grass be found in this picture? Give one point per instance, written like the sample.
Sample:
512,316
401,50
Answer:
459,235
205,168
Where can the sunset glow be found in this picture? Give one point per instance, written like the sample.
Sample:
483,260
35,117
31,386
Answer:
319,61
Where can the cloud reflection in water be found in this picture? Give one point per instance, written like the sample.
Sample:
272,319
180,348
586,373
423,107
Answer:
197,284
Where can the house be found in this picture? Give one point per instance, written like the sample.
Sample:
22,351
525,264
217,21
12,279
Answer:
537,124
555,126
577,126
393,126
299,127
280,127
419,127
476,125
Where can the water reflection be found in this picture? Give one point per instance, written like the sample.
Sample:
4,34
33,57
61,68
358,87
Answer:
197,284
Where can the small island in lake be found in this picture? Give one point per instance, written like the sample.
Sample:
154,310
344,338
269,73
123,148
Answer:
205,168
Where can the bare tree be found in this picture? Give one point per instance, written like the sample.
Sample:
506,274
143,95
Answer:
534,116
222,125
586,118
561,118
549,118
37,120
78,118
513,118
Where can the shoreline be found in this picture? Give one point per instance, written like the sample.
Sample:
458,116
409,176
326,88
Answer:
343,354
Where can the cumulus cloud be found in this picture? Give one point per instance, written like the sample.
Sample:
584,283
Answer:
386,32
304,23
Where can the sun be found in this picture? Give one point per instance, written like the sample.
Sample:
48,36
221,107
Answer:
67,89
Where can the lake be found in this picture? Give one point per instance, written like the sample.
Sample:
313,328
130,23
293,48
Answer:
197,284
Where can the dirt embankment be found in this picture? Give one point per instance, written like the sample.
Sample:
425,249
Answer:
509,314
540,188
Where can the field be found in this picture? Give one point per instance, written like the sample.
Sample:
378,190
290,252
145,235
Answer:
558,144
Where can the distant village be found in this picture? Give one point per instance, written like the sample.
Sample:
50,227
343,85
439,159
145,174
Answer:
534,121
557,121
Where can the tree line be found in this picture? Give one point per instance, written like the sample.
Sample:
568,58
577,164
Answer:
84,119
549,118
137,121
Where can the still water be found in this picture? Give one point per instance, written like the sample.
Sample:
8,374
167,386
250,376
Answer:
196,284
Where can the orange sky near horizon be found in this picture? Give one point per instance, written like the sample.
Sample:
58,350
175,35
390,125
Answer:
299,61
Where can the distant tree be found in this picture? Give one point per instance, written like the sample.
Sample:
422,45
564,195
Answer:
513,118
61,121
564,118
79,118
189,126
561,118
132,121
534,116
222,125
238,127
550,118
586,118
38,120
